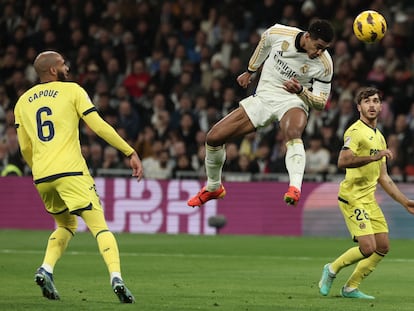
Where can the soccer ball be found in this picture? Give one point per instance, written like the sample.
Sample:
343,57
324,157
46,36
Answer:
370,26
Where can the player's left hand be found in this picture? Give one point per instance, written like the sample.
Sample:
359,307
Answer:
136,166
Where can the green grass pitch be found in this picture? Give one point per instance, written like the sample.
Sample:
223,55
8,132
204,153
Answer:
185,272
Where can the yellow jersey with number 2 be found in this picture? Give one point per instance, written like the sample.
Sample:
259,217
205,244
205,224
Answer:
360,183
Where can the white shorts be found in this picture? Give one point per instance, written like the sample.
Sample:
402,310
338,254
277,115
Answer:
262,111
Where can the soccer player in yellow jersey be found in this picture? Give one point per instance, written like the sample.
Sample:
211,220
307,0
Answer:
47,120
296,75
364,156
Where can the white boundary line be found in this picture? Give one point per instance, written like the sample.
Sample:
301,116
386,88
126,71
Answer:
127,254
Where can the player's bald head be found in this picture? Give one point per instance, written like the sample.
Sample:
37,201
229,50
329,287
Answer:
45,60
50,66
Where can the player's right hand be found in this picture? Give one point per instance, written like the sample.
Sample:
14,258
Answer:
244,79
410,206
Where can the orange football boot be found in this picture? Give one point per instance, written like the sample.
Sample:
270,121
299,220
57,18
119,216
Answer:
292,196
203,196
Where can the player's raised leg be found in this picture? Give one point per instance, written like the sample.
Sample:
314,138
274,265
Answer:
295,165
292,125
237,123
215,158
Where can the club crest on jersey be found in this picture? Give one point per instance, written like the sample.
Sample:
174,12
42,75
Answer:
304,69
362,226
285,46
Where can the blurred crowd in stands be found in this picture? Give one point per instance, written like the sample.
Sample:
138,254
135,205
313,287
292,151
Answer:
163,72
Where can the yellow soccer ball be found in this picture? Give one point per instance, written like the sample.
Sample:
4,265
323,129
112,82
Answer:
370,26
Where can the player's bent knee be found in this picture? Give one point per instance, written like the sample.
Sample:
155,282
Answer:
213,138
382,250
367,251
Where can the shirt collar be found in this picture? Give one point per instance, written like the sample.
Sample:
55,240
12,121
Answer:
297,42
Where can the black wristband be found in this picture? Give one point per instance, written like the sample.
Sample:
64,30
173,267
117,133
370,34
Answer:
251,72
301,89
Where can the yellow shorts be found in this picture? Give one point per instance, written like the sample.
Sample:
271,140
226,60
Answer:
75,193
364,218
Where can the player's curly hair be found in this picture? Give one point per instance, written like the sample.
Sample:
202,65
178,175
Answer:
321,29
365,93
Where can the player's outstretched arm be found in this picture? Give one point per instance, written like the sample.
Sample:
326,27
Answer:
393,191
108,133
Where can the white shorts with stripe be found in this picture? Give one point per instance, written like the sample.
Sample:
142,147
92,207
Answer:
262,111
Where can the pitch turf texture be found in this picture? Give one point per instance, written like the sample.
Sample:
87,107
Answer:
184,272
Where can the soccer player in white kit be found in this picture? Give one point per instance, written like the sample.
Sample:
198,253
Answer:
296,76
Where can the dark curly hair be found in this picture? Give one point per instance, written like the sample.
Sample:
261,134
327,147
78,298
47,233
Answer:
365,93
321,29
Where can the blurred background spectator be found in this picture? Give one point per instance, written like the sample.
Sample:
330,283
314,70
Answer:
163,72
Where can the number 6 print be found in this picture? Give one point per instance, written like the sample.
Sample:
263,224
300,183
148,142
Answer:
45,124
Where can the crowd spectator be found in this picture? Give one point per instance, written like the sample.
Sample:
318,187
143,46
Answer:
137,81
317,156
232,158
149,66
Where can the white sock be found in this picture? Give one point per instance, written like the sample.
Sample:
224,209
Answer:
348,289
47,267
331,271
115,275
295,162
214,161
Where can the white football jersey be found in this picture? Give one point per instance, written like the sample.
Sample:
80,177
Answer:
284,59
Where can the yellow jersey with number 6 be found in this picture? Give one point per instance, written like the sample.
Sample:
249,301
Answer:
47,116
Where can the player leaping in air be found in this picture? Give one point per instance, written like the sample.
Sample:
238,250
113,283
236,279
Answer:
295,77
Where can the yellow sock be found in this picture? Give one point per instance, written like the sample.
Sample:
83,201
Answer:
363,269
58,241
351,256
108,248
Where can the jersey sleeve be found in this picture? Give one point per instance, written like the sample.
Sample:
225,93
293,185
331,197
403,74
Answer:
321,85
82,101
318,97
351,140
261,52
107,132
24,140
89,114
